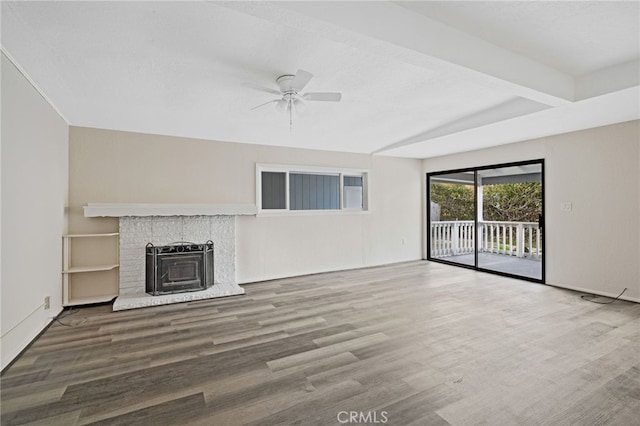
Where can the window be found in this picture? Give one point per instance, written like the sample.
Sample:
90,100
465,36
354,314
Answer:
314,191
352,192
300,188
273,190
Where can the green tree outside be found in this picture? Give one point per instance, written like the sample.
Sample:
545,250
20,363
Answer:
510,202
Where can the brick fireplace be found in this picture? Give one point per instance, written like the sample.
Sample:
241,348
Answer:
141,224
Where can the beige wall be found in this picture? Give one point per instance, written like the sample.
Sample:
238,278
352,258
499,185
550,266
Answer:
34,195
596,246
121,167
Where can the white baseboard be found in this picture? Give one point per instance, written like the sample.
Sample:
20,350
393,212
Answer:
17,339
597,292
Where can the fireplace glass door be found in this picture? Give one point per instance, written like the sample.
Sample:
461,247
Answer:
178,268
181,272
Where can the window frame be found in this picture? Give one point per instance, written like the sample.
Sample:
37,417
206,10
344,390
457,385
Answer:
317,170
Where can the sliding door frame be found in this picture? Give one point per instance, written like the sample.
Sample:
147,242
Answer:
475,171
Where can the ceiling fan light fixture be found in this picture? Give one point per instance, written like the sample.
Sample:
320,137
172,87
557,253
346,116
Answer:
281,105
299,105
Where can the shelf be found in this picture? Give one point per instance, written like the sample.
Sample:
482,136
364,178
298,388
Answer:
92,268
79,287
90,300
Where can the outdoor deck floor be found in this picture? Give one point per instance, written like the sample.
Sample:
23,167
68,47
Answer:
497,262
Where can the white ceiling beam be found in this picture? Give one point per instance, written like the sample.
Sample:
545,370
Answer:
608,80
515,107
611,108
435,45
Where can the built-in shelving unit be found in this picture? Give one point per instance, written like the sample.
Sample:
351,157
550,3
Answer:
85,278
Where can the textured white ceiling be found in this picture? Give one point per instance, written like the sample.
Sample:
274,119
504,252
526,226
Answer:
417,80
576,37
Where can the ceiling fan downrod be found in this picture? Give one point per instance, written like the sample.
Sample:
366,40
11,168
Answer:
290,115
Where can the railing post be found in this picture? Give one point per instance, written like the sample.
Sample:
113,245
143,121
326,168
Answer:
520,241
510,252
446,238
432,247
454,238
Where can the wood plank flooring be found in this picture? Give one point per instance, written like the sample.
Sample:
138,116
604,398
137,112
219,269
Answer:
417,343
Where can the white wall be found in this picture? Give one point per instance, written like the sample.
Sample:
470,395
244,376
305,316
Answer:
34,196
290,245
122,167
596,246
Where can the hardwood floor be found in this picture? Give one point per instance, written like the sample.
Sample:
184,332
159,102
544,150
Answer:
418,343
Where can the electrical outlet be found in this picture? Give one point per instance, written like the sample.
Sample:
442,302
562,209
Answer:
565,206
47,302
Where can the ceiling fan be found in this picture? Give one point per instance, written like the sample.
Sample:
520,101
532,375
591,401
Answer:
290,97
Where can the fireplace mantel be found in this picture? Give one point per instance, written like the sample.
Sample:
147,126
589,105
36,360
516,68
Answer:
122,210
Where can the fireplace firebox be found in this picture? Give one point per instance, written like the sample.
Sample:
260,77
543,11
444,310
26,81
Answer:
178,267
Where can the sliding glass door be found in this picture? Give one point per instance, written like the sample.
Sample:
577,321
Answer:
510,220
452,229
489,218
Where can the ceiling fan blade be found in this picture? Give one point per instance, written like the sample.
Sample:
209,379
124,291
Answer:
266,103
323,96
300,80
262,89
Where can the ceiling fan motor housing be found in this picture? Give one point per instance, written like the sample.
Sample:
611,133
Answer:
285,84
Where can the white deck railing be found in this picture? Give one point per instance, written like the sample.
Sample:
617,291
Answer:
519,239
450,237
